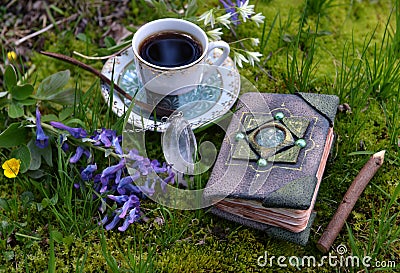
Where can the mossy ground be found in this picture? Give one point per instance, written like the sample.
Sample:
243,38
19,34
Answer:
197,241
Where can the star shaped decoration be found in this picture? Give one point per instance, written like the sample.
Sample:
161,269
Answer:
276,138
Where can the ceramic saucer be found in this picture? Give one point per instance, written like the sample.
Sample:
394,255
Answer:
207,102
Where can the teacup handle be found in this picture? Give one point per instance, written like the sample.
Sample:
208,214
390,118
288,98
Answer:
225,51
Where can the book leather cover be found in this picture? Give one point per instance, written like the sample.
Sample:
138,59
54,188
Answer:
271,162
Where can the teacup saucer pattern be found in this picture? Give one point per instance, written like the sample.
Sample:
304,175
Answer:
207,102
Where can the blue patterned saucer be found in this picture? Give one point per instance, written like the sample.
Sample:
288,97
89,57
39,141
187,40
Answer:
205,103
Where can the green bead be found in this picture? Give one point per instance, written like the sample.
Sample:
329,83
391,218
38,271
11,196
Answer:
301,143
279,116
262,162
240,136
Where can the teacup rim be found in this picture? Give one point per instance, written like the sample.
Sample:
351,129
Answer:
162,68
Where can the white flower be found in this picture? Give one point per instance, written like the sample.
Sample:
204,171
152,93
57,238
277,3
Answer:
245,10
254,41
208,18
238,58
214,34
224,19
258,19
253,56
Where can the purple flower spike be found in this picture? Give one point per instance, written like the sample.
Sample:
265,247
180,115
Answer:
114,222
75,132
42,140
132,217
87,173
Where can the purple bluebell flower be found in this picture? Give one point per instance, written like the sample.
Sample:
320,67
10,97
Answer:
157,166
146,189
104,221
171,175
106,137
133,216
119,199
117,146
134,155
141,164
42,140
230,8
118,176
87,173
78,154
115,220
126,181
105,175
130,189
133,201
75,132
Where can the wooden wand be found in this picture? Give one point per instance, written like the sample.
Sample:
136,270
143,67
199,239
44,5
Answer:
349,200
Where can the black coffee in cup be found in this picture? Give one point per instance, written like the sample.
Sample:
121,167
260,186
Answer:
170,49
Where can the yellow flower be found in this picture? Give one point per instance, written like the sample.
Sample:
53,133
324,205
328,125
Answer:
12,56
11,167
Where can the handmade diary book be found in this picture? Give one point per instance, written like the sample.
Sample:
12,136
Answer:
271,162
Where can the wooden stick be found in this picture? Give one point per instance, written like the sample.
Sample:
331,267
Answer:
349,200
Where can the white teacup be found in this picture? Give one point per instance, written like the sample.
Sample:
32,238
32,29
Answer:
166,80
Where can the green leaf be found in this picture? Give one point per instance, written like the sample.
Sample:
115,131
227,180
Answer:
4,204
37,154
65,113
21,92
81,36
109,41
36,158
53,84
47,154
67,96
54,199
50,117
27,198
45,203
10,77
24,155
75,122
27,101
57,236
15,110
14,135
